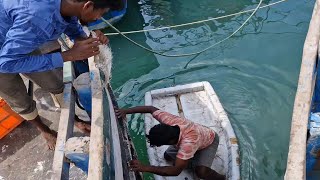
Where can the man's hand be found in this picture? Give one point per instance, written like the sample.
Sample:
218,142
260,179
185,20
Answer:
135,165
121,113
102,38
82,50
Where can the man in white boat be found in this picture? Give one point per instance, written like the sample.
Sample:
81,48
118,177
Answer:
26,28
191,144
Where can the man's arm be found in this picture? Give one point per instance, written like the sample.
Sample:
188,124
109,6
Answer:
23,38
175,170
140,109
162,117
121,113
74,29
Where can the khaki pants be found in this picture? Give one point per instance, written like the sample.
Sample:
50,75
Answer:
14,92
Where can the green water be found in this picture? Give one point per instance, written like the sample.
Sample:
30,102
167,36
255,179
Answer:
254,73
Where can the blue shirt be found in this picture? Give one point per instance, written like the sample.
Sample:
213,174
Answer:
25,25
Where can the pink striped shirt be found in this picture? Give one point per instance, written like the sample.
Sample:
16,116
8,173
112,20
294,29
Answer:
193,136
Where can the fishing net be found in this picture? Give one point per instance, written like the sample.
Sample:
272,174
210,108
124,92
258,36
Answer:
103,60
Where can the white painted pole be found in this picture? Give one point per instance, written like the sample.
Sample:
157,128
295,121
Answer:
296,163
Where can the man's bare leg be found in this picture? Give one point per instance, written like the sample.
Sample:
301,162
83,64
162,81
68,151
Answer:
84,127
49,135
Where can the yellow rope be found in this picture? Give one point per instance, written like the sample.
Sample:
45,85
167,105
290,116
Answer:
196,22
199,52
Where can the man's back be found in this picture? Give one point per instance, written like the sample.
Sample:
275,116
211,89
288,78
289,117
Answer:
25,26
193,136
16,12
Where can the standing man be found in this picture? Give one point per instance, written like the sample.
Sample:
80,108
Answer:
29,25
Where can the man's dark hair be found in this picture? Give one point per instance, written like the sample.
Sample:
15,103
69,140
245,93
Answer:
112,4
163,134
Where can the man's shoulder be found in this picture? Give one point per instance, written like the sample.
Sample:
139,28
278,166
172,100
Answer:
31,8
190,136
166,117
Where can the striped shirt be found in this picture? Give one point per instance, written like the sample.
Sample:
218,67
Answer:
193,136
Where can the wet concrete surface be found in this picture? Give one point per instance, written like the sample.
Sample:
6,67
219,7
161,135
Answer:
23,152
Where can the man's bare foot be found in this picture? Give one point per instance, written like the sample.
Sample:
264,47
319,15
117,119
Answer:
82,125
49,135
51,138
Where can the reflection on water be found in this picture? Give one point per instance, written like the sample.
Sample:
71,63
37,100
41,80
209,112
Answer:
254,73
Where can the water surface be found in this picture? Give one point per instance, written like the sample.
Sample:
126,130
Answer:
254,73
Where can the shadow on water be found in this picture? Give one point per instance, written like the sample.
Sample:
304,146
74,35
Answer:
254,73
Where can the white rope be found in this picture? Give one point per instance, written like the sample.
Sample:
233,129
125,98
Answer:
196,22
187,54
